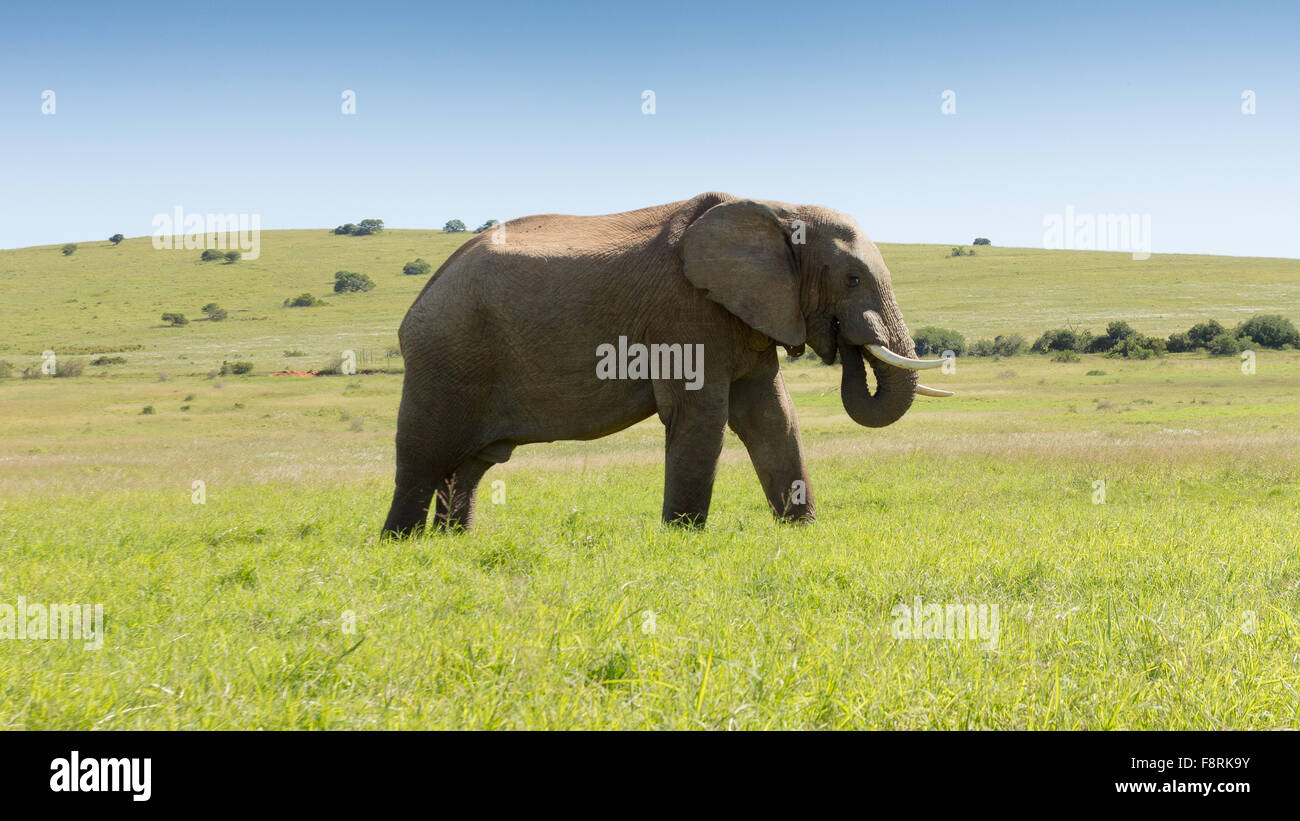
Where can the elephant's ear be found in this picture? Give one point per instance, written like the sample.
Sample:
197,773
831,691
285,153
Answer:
739,252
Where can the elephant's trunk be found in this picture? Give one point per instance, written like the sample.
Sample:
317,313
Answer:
895,388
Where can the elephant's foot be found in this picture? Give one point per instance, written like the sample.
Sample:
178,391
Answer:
686,521
410,509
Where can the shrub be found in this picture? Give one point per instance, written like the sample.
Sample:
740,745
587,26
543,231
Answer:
1095,372
295,352
454,227
175,320
214,311
1116,333
1065,356
232,257
1224,344
108,360
932,341
303,301
1269,331
1062,339
417,268
69,249
69,367
981,241
236,368
981,347
1008,345
349,282
1202,333
346,228
6,369
485,226
210,255
1180,343
1136,346
147,410
116,239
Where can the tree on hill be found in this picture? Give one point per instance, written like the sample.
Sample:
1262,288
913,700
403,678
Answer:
232,257
349,282
175,320
211,255
981,241
361,229
116,239
303,301
454,227
214,311
69,249
485,226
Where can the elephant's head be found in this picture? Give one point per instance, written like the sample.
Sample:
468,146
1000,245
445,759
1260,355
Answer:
807,275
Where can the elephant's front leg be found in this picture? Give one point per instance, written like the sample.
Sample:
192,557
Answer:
762,415
695,422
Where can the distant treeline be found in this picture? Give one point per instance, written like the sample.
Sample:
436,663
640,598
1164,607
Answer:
1122,340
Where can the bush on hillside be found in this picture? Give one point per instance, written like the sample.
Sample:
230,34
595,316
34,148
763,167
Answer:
1008,345
175,320
1225,344
1202,333
303,301
236,368
1180,342
1268,331
69,367
932,341
417,268
349,282
1116,333
1136,346
1062,339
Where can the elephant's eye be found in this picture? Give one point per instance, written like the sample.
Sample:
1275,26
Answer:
854,282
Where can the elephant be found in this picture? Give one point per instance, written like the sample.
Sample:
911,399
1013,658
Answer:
514,340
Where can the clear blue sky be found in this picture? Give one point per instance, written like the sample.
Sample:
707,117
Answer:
513,109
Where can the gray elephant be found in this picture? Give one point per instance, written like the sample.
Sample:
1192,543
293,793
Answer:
563,327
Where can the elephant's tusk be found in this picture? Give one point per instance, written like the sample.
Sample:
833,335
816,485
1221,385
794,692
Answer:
924,391
886,355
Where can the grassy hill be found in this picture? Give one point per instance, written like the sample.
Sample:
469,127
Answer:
106,299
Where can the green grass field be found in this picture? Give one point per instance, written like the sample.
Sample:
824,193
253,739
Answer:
274,605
